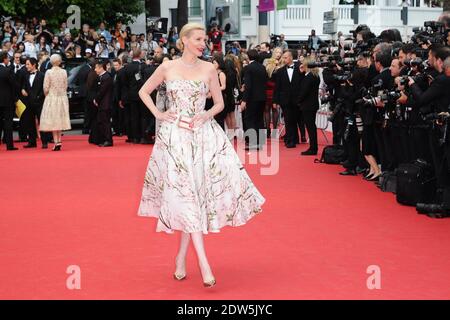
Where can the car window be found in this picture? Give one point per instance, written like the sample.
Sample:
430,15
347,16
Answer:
72,72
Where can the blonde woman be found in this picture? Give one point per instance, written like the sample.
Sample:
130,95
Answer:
55,112
309,103
195,182
272,112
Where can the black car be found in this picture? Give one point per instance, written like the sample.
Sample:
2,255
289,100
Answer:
73,66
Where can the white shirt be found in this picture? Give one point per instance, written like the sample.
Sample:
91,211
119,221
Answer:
17,67
32,76
30,50
104,53
290,72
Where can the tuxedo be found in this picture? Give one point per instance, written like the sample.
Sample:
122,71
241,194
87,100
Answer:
20,74
308,101
33,84
118,113
101,126
255,78
287,88
8,94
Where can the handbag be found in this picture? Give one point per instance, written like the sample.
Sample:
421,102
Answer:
184,122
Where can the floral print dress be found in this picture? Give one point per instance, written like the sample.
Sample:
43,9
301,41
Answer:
195,181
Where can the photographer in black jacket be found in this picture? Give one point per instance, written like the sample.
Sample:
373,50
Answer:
351,92
434,104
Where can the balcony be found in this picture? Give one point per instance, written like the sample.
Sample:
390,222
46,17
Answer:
298,20
297,15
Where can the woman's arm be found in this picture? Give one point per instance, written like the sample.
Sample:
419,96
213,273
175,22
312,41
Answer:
47,83
223,81
214,88
150,85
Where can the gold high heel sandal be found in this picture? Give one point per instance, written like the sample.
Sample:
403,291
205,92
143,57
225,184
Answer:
179,277
210,284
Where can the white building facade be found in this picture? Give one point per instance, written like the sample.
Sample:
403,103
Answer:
301,16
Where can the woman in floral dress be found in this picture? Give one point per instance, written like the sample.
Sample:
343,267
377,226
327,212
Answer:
195,182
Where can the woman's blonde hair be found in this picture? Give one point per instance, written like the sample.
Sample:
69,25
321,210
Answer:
186,31
308,60
273,63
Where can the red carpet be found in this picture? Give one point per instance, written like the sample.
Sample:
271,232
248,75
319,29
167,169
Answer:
315,239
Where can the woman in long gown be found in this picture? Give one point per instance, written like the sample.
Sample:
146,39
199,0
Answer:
195,182
55,111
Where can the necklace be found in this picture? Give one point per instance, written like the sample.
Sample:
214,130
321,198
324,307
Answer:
189,65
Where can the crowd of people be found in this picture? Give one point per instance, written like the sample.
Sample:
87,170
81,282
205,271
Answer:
379,104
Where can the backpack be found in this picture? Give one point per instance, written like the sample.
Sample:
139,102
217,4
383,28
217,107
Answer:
388,182
334,154
416,183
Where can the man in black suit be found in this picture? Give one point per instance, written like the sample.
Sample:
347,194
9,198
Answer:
308,101
118,113
254,99
265,52
287,88
8,94
20,72
436,99
81,81
138,116
101,128
383,130
33,93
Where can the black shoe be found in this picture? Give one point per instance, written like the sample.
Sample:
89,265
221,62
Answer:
129,141
44,146
85,131
290,145
30,145
309,153
348,172
345,164
57,147
106,144
12,148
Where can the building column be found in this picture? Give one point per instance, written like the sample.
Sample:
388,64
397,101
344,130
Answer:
263,27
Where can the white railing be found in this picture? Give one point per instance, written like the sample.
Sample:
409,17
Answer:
380,16
344,12
417,16
297,14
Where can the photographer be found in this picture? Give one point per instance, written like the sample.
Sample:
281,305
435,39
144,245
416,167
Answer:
85,39
102,48
434,104
406,53
350,93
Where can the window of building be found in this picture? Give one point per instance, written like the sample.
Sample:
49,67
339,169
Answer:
195,9
246,7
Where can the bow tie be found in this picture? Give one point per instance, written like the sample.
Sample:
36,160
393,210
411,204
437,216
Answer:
290,67
32,73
